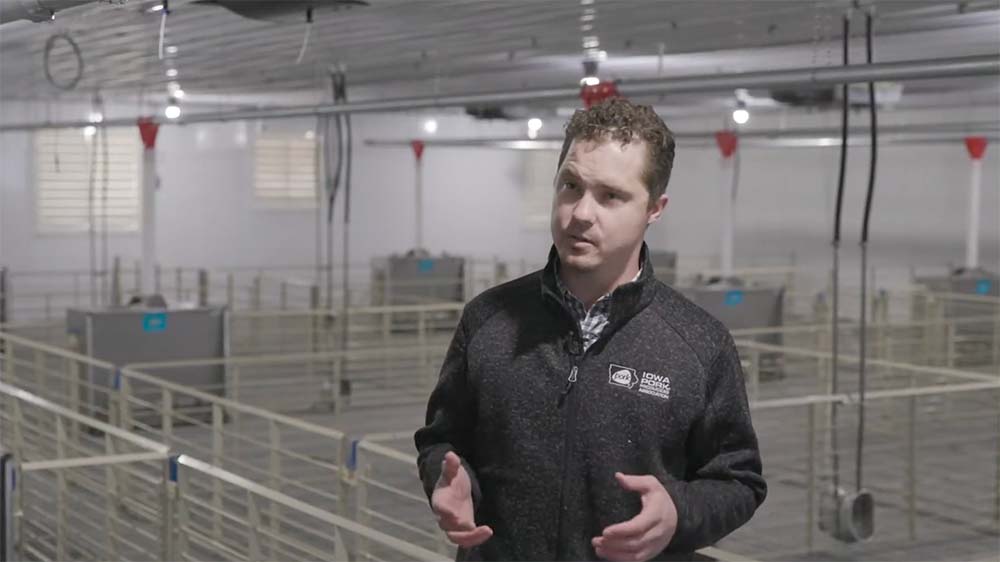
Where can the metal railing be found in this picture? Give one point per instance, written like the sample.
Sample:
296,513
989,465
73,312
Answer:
269,331
268,525
70,497
87,490
334,381
303,459
389,496
932,460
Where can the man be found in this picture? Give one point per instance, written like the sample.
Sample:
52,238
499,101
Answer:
588,410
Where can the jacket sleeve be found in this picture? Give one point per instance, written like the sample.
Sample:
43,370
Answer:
724,485
450,420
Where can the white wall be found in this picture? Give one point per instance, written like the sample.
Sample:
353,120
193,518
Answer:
786,200
207,215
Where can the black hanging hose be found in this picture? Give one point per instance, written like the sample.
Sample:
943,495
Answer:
339,96
835,341
305,38
163,27
873,111
50,44
346,239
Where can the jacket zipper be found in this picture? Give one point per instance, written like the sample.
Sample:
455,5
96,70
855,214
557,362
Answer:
570,424
570,429
569,385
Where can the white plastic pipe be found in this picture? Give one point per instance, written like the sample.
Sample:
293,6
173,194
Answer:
419,205
728,192
979,65
148,219
972,234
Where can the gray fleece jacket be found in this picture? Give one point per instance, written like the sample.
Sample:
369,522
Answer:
542,425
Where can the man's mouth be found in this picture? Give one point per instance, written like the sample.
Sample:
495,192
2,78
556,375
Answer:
577,239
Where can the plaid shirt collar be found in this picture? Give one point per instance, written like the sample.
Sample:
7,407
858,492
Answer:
592,322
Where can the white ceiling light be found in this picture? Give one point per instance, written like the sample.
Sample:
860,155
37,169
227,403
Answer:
310,135
534,124
179,94
173,111
89,131
171,73
590,81
156,8
430,126
95,117
741,115
172,50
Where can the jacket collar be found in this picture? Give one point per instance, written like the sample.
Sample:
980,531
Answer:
626,300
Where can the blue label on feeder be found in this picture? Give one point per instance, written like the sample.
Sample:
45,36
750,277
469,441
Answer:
425,266
352,459
734,298
173,468
984,286
154,322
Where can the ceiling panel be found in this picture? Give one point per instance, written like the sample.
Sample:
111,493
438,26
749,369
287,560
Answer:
448,46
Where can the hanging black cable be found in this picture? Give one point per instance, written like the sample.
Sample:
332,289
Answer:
873,111
835,340
163,27
305,38
346,252
50,44
348,165
339,96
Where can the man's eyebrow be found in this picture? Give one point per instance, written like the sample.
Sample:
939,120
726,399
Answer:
614,188
567,173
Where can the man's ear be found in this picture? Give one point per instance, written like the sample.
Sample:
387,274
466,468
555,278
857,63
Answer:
657,209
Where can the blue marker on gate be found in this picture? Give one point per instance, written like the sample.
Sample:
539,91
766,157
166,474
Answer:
984,286
734,298
352,459
154,322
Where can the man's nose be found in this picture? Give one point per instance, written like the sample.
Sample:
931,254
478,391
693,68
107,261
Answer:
584,209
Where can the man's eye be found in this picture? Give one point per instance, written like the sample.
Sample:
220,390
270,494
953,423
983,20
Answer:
568,185
613,196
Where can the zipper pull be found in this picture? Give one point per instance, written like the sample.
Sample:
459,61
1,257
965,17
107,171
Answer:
569,385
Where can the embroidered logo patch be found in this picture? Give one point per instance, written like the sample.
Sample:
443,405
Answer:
655,385
622,376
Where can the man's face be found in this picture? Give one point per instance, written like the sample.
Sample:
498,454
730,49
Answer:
601,206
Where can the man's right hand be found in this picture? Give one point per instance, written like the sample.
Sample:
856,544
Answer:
452,503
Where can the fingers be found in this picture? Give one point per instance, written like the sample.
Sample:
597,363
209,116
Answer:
635,483
449,520
469,539
619,555
627,546
634,528
450,466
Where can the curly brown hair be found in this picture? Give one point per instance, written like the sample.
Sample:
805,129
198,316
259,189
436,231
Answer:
621,120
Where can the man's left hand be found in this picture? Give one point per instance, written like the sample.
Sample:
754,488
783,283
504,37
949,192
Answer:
648,533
